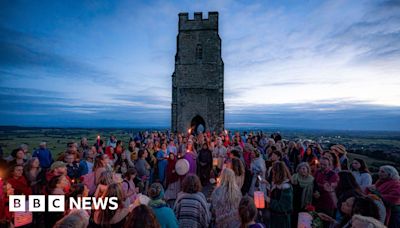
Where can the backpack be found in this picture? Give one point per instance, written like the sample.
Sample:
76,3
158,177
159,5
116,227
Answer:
125,181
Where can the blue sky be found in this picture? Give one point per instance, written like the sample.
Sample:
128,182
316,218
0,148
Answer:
304,64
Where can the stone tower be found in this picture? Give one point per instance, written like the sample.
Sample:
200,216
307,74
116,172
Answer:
198,80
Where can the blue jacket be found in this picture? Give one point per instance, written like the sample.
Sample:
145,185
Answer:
165,217
44,156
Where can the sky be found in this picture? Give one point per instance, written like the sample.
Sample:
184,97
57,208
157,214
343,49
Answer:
292,64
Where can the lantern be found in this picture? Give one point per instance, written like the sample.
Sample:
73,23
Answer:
215,161
259,199
305,220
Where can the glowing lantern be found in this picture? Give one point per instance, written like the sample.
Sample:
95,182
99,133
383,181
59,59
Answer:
215,161
259,199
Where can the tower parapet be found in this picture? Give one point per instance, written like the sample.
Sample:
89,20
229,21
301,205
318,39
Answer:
198,22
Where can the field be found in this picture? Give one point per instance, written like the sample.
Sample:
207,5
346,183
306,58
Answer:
377,148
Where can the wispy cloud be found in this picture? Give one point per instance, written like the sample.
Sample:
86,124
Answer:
89,61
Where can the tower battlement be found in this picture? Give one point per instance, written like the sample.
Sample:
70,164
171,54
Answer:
198,23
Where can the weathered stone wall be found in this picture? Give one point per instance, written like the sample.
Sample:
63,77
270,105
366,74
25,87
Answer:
198,80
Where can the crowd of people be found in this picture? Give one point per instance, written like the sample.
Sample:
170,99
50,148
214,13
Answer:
221,186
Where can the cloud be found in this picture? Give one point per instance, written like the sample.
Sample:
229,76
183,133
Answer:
97,62
334,115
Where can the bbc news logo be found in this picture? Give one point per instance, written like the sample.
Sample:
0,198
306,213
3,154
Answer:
56,203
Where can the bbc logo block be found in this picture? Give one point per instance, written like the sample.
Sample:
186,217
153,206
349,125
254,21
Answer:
37,203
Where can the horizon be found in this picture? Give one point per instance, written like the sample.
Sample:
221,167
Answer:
331,65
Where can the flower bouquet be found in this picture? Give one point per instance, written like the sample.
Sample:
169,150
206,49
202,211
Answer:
309,219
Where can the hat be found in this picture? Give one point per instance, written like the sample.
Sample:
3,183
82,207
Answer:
57,164
156,191
339,149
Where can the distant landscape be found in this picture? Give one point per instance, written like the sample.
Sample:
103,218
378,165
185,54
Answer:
376,147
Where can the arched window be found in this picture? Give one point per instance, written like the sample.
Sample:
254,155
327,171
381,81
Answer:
199,52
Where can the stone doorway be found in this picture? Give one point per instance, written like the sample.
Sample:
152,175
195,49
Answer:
198,125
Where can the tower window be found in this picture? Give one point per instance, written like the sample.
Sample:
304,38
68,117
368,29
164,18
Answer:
199,52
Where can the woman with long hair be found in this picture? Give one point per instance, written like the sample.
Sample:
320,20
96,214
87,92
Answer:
238,168
108,217
128,185
140,217
122,163
281,197
101,164
347,187
360,171
225,200
248,213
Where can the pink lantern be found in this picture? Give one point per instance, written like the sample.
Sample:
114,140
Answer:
259,200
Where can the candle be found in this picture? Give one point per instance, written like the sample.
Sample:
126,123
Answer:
190,131
98,140
215,161
259,199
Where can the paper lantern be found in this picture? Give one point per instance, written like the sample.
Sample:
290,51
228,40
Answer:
259,200
215,161
305,220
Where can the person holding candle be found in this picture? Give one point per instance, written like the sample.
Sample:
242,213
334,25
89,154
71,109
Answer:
326,181
281,196
220,153
6,190
191,156
225,201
